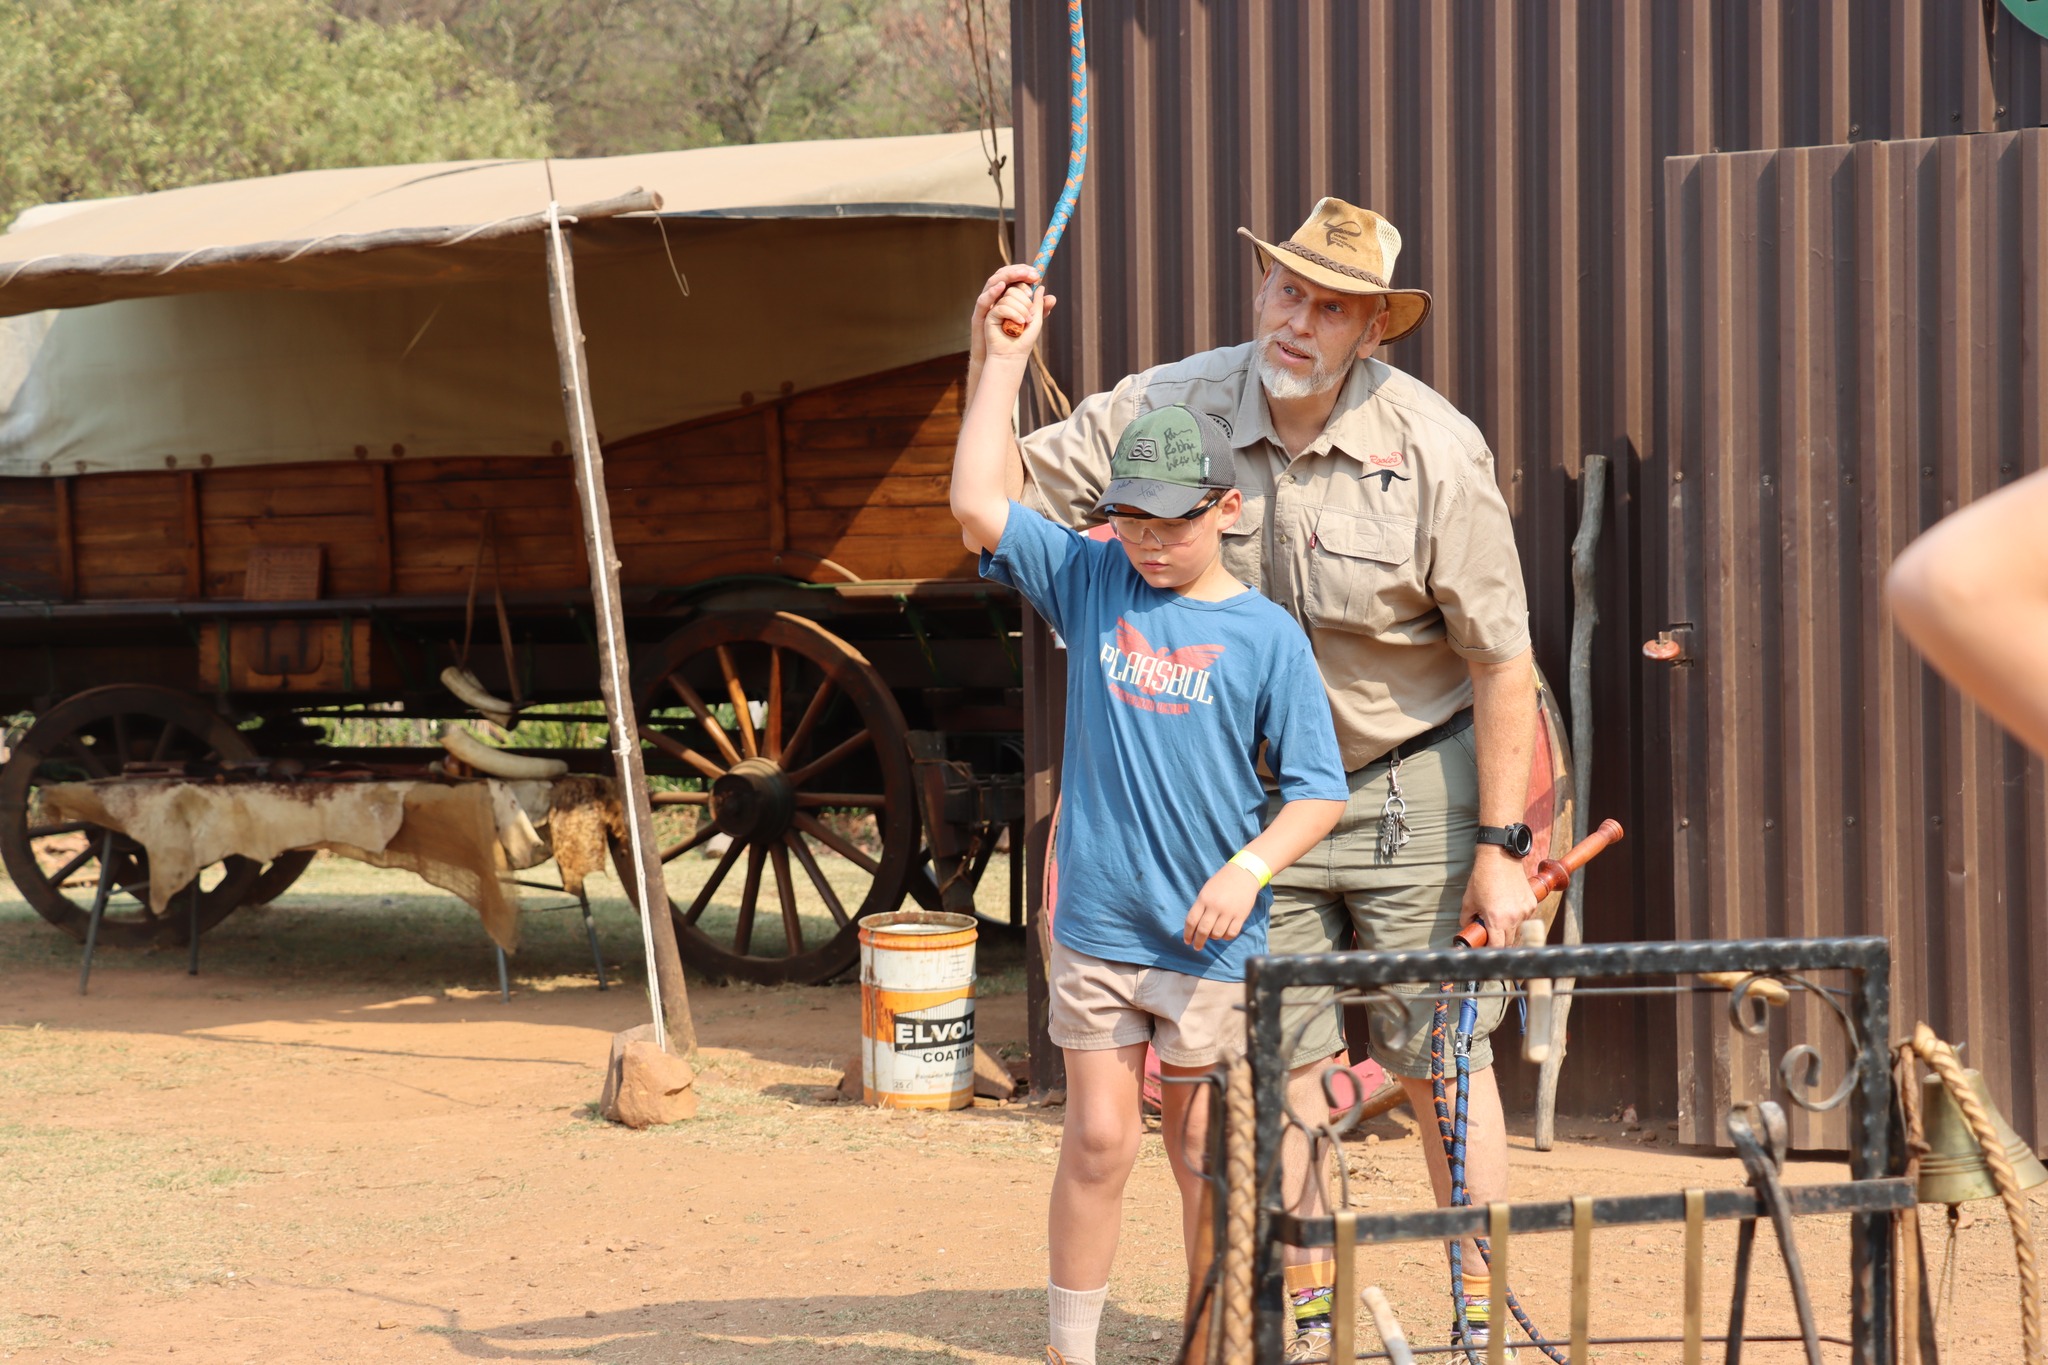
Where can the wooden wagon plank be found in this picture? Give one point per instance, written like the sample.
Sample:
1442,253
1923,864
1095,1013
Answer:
441,580
894,556
651,565
242,531
747,467
333,473
518,551
810,524
486,467
387,578
162,584
747,528
217,503
912,389
461,529
876,433
552,490
66,539
811,466
690,500
35,537
912,490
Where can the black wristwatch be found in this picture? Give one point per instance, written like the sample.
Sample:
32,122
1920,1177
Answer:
1516,839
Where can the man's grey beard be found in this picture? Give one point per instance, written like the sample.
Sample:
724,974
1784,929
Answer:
1285,385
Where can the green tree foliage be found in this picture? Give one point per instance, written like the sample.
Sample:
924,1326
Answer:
648,75
102,97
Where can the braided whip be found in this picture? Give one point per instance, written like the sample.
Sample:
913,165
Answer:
1234,1341
1452,1131
1077,153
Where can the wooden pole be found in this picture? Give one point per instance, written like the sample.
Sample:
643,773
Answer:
1585,615
673,1030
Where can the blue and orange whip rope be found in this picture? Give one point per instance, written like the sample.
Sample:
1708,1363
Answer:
1077,151
1452,1131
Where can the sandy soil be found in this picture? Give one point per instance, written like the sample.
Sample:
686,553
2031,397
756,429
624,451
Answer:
336,1144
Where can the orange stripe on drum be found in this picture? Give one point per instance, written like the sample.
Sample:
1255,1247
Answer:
890,1099
879,1008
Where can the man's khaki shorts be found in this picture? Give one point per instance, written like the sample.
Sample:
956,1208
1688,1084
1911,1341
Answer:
1098,1005
1341,888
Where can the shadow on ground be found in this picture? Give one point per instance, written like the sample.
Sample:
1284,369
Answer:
928,1325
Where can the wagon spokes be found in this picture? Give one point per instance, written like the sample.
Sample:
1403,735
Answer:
818,879
839,778
710,887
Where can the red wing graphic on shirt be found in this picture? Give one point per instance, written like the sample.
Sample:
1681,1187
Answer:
1166,680
1189,656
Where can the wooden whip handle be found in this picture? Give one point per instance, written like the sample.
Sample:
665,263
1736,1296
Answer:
1552,874
1011,328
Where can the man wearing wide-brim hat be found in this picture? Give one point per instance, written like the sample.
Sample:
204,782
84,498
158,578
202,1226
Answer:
1372,514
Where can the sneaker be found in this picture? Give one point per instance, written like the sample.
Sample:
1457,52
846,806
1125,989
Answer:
1309,1344
1475,1338
1053,1357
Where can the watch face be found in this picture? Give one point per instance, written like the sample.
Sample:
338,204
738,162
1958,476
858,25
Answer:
1516,839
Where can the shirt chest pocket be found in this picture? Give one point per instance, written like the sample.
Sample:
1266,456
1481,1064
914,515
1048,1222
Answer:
1244,546
1361,571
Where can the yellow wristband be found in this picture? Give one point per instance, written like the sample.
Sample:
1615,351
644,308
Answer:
1254,864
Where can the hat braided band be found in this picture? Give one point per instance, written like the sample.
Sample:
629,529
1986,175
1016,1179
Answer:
1326,263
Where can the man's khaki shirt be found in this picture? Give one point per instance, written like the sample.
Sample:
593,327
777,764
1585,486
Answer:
1387,537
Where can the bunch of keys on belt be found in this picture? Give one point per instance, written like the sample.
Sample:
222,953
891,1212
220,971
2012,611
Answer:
1393,816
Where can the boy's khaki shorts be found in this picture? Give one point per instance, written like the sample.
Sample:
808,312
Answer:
1342,893
1098,1005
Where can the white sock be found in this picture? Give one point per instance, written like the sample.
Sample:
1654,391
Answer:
1075,1316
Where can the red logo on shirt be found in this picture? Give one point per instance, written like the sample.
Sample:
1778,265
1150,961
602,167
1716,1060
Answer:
1390,461
1164,680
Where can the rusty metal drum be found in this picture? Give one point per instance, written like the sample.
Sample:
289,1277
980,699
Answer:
917,1010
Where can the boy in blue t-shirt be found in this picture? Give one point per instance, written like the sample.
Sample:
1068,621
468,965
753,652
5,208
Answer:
1181,681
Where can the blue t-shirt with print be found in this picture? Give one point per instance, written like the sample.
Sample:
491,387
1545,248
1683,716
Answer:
1168,702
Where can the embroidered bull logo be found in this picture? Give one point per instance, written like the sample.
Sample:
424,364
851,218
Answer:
1386,478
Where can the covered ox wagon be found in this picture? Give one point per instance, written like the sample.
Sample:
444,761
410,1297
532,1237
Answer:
273,451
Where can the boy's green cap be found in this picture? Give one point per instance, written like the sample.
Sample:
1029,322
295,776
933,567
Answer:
1167,462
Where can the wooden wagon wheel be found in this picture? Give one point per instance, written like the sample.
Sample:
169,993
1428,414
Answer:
58,868
791,730
279,876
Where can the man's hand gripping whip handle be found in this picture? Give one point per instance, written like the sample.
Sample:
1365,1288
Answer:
1077,154
1552,874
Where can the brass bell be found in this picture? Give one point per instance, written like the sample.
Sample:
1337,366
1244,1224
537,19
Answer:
1953,1171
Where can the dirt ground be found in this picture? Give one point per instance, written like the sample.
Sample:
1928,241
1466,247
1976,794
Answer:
336,1144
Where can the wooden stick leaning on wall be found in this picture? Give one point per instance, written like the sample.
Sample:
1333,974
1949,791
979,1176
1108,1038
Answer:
673,1029
1585,615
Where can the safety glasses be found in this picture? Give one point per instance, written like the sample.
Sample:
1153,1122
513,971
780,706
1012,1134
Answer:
1168,533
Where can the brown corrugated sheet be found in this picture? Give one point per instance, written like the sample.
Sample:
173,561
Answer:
1859,344
1519,147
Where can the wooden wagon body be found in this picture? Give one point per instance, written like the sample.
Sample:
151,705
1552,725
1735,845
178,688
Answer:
791,580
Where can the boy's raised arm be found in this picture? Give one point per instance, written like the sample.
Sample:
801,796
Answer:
986,457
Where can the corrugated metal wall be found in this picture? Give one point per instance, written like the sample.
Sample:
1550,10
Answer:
1519,147
1858,345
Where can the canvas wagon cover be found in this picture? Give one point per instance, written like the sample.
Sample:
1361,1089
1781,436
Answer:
381,312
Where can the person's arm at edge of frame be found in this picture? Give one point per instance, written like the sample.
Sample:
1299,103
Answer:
1972,595
986,455
977,361
1504,731
1227,898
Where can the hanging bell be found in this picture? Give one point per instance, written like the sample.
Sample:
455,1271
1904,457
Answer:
1953,1171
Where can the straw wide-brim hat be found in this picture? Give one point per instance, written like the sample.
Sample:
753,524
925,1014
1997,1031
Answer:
1351,250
